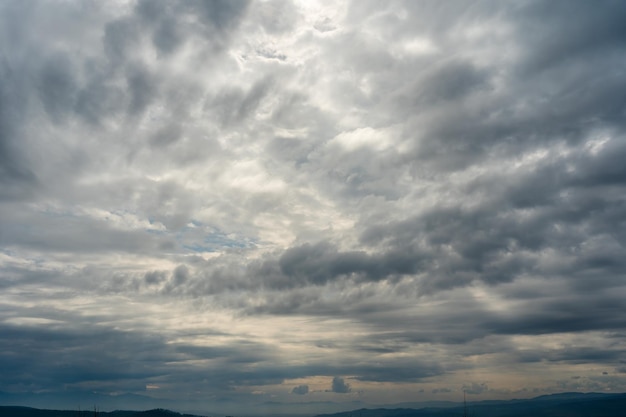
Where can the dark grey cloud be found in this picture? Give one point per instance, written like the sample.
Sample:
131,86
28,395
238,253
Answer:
171,24
444,81
583,30
64,356
232,105
475,388
143,89
221,14
120,38
166,37
563,315
15,173
99,101
57,86
340,386
48,358
300,390
319,263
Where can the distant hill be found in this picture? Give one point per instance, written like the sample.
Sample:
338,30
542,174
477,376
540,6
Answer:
557,405
15,411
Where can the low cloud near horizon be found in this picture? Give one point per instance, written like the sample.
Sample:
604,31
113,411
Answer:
277,201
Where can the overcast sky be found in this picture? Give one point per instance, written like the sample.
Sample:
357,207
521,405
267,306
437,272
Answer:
312,201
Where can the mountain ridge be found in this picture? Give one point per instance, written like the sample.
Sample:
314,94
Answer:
570,404
23,411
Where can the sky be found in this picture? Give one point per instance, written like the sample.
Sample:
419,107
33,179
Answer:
268,206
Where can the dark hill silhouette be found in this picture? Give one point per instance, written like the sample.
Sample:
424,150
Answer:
557,405
16,411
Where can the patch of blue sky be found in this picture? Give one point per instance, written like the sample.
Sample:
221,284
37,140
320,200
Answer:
157,231
197,238
215,242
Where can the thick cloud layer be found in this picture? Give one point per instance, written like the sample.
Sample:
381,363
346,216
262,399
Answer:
287,203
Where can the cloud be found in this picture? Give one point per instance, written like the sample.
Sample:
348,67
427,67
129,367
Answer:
440,390
321,262
475,388
300,390
339,386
